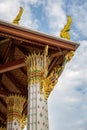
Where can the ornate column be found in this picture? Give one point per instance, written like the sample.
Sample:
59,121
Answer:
40,86
37,69
14,116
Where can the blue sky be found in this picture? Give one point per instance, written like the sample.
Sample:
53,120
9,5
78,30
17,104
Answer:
68,101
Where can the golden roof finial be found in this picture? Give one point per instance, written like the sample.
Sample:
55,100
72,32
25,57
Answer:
18,17
65,31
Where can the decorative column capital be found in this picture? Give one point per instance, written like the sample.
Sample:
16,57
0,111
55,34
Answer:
37,70
15,104
37,66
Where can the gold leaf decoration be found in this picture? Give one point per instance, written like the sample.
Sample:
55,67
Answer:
65,31
18,17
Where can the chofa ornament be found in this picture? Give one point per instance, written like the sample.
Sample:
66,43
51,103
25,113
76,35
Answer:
65,31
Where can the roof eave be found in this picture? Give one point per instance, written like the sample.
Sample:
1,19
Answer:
28,34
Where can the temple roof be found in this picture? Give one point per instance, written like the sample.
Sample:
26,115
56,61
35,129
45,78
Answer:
15,43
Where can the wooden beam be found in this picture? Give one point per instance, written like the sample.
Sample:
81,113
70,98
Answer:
24,71
3,116
36,45
25,108
3,93
12,65
56,61
18,85
3,102
23,50
11,52
7,52
52,64
5,88
58,54
4,41
25,34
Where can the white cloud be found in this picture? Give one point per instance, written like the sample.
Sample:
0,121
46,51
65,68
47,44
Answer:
55,15
28,19
9,9
30,1
78,10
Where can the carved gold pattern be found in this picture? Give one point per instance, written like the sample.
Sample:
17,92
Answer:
37,66
69,55
23,121
15,104
50,81
37,71
65,31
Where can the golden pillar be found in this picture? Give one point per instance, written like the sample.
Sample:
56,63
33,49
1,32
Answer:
15,104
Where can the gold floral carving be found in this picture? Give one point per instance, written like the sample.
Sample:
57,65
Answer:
15,104
50,81
37,71
69,55
23,121
37,66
